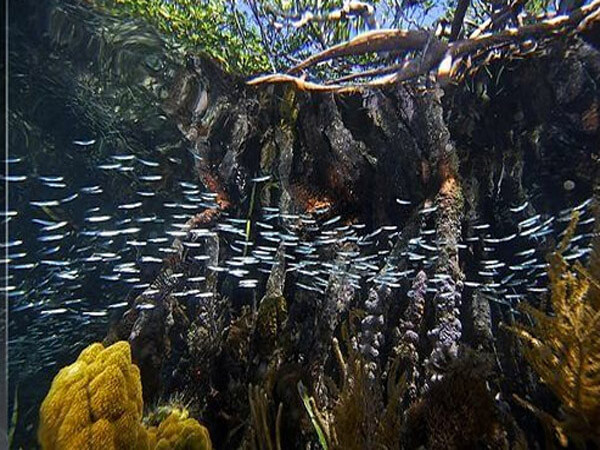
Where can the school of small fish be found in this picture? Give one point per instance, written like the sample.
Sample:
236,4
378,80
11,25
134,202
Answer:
75,257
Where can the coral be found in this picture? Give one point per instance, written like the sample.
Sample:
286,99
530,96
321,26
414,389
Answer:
94,403
179,432
564,347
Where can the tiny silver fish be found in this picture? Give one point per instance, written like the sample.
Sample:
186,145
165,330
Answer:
46,203
261,179
519,208
14,178
151,177
97,219
85,143
70,198
109,166
51,237
148,163
130,205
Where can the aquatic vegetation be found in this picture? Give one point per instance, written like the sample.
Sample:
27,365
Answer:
312,410
96,402
271,332
361,417
457,411
265,432
14,418
270,324
563,345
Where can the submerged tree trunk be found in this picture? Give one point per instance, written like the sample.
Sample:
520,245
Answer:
460,161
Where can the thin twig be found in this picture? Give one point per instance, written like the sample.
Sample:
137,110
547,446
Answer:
262,33
459,17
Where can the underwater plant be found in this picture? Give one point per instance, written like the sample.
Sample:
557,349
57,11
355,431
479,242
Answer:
563,346
96,403
458,409
261,434
363,416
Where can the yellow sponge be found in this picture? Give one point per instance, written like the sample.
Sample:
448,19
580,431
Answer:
179,432
95,403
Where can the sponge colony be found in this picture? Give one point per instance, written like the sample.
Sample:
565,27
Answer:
178,432
95,403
